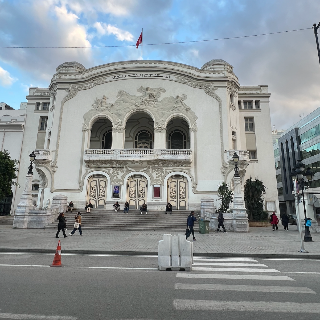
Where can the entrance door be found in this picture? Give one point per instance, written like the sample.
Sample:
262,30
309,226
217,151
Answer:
177,192
97,186
137,191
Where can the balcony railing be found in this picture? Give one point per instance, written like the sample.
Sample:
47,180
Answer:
42,154
138,154
243,155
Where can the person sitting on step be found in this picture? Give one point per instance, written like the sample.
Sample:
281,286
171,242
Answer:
143,208
116,206
169,208
89,206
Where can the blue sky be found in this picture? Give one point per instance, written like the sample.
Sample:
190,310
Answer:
287,62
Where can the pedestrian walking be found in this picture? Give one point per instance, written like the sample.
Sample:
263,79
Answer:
62,224
220,222
274,221
77,225
126,207
285,221
190,224
168,208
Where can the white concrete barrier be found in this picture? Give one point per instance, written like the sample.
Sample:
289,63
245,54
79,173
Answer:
175,253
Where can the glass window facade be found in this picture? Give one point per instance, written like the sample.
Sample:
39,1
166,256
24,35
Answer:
311,133
311,151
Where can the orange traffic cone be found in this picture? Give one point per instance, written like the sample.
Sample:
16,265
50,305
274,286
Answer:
57,257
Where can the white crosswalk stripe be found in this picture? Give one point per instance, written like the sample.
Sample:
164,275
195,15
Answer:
266,306
238,269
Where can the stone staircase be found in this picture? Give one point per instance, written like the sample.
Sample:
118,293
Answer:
133,221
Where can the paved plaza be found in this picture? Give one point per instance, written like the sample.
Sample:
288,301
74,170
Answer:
259,242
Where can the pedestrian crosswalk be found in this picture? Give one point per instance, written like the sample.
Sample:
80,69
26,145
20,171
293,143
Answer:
249,280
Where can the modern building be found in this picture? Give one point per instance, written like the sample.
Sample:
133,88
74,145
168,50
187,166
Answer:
147,132
299,142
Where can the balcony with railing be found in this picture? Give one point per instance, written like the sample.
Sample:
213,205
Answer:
43,155
138,154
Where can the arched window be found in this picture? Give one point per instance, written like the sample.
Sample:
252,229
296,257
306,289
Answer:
177,139
143,140
107,140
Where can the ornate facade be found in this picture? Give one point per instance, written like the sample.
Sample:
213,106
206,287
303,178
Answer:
146,131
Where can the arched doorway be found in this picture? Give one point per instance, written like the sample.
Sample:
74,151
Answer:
97,190
139,131
178,136
101,134
178,192
137,190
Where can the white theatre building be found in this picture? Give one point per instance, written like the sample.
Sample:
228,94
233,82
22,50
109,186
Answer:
144,131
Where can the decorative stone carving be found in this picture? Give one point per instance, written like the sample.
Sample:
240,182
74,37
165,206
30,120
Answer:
160,110
69,67
215,66
44,180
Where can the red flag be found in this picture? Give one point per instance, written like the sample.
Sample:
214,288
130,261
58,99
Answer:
139,41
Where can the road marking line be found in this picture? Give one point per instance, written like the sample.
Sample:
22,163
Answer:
302,272
225,259
265,306
285,259
233,276
234,269
23,265
229,264
34,317
225,287
120,268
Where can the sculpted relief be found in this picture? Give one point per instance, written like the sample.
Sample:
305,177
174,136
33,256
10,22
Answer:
149,101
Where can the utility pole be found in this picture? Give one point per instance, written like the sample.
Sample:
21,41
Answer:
315,29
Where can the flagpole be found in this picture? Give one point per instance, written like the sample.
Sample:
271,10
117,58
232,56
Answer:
142,44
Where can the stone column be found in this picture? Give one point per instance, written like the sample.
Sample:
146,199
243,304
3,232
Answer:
117,139
160,139
240,223
24,206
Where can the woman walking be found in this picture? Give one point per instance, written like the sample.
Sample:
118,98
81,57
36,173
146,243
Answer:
274,221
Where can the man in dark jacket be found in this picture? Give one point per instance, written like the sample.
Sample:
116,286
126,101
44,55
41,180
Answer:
190,223
285,221
220,222
62,224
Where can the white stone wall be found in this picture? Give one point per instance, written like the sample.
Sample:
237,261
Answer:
205,98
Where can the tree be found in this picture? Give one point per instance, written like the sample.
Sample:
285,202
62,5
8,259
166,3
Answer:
226,196
253,197
7,174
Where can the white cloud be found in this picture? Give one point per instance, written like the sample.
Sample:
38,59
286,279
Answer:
92,7
121,35
5,78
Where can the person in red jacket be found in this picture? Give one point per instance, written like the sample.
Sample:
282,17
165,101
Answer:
274,221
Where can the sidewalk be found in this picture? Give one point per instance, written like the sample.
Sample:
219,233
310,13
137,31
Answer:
259,242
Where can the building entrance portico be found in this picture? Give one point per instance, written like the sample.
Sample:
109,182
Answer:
137,188
177,192
97,190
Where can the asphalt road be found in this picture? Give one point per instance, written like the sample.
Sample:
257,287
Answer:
131,287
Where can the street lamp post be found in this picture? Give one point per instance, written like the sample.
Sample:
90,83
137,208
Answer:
302,178
235,159
315,29
32,157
